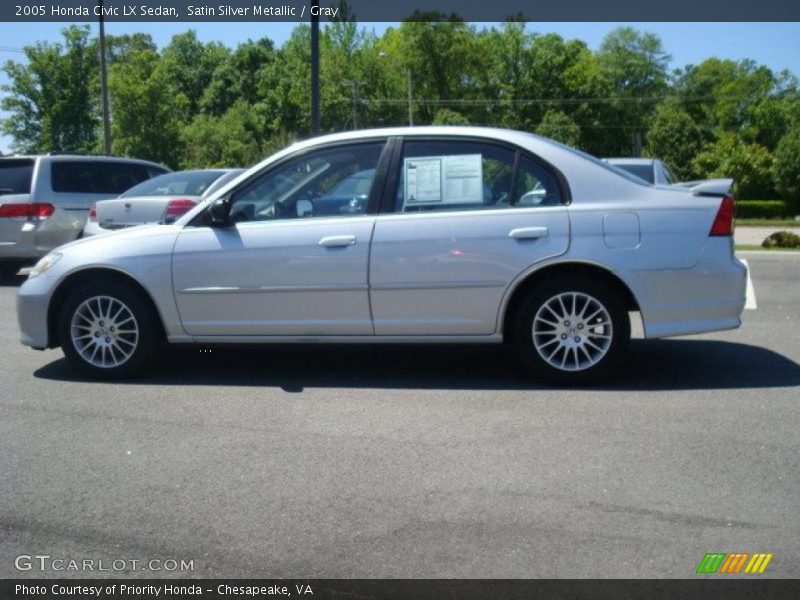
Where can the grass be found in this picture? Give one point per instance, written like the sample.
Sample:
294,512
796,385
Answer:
745,247
767,223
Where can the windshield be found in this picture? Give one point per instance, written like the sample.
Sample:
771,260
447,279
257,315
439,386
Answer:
188,183
15,176
221,181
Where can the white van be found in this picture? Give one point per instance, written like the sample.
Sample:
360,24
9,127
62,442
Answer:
45,200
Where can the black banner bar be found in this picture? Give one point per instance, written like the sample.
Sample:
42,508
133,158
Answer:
399,10
710,588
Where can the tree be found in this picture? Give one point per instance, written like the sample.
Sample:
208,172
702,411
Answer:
559,126
120,48
148,112
787,166
430,45
635,64
675,138
233,140
189,65
237,77
53,99
726,95
445,116
749,164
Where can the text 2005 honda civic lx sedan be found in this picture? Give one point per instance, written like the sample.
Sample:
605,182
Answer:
426,235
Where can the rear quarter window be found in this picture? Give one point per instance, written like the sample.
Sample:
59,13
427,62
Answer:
16,176
96,177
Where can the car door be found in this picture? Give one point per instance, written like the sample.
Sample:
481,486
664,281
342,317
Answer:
293,261
467,218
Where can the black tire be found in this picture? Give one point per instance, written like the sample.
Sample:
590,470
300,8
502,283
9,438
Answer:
143,348
606,343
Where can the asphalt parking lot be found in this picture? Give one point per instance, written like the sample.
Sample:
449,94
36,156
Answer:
334,462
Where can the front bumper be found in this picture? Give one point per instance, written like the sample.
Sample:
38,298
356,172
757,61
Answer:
33,299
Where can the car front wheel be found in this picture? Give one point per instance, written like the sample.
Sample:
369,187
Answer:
571,331
108,331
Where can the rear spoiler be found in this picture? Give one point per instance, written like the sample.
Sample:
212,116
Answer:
707,187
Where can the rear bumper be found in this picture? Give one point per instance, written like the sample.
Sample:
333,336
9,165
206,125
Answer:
707,297
30,240
33,299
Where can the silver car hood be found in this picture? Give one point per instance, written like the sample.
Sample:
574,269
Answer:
120,238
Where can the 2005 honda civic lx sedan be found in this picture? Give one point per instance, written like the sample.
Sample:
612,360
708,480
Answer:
422,235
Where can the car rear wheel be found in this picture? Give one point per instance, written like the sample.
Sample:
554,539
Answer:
108,331
572,331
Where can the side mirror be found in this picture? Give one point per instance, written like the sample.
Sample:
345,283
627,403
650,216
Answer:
220,212
305,208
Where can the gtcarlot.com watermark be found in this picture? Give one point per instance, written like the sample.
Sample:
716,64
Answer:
45,562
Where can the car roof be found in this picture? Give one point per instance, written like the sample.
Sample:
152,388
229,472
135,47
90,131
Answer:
79,157
491,133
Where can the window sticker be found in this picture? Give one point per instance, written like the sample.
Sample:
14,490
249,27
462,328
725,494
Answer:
423,180
463,178
456,179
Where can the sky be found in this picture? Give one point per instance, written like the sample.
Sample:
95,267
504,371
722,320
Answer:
777,45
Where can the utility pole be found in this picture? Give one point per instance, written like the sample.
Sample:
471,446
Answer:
410,100
355,98
104,84
315,67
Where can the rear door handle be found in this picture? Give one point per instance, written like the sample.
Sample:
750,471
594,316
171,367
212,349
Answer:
527,233
337,241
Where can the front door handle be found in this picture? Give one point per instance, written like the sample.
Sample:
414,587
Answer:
528,233
337,241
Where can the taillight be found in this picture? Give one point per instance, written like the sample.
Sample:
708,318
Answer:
35,210
93,213
723,222
176,208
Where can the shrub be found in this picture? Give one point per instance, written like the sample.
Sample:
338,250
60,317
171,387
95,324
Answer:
675,138
750,165
445,116
787,166
782,239
764,209
559,126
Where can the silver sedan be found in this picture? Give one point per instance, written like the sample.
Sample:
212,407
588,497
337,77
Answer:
408,235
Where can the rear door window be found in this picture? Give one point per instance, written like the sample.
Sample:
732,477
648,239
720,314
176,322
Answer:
454,175
96,177
15,176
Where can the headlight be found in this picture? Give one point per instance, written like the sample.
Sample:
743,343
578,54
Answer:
45,263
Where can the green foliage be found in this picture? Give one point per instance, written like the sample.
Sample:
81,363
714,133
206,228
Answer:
194,103
749,164
561,127
787,166
764,209
53,99
237,77
445,116
189,64
674,138
148,112
782,239
232,140
635,66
